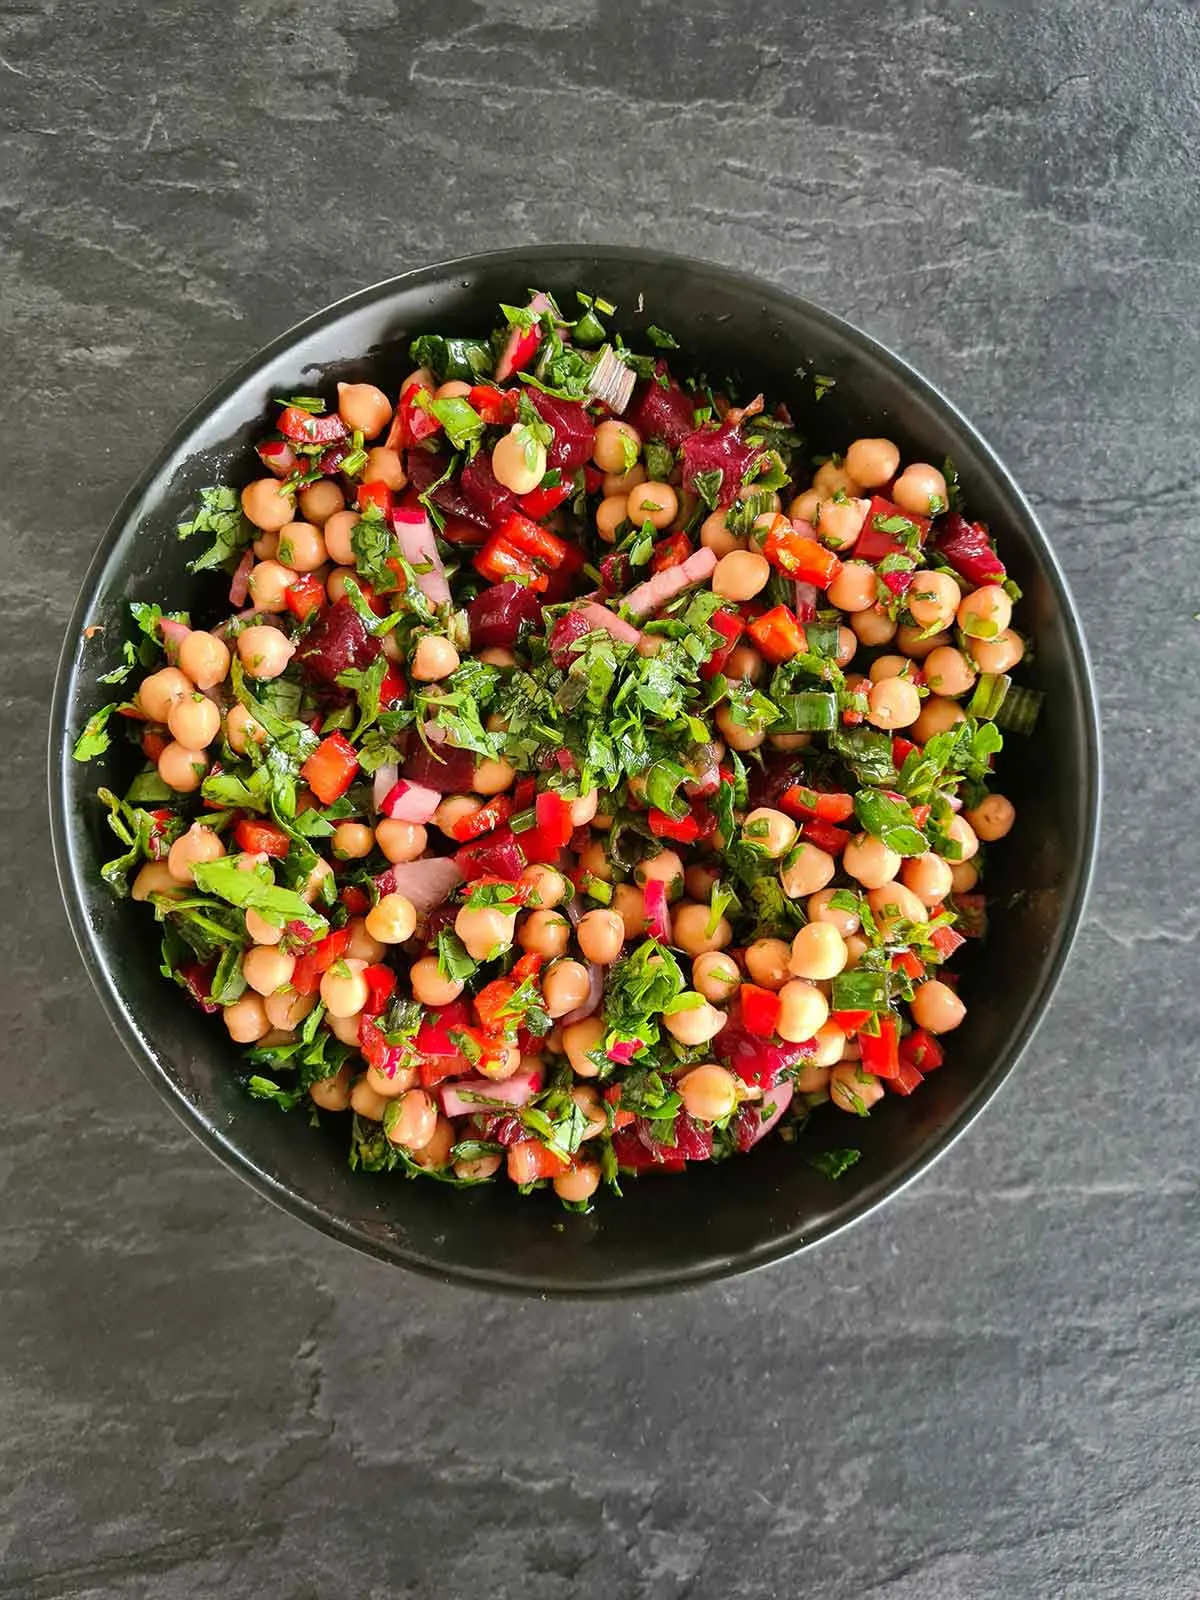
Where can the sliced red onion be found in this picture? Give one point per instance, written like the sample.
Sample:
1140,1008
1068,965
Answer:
173,635
515,352
239,586
410,802
654,901
780,1097
415,533
622,1051
384,783
805,601
594,995
427,883
514,1091
611,380
654,594
598,616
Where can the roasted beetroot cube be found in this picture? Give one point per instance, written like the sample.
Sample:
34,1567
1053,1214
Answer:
337,641
659,412
574,431
503,614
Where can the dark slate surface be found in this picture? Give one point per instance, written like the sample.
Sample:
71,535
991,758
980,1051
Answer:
991,1388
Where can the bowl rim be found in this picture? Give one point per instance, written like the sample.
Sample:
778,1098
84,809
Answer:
292,1201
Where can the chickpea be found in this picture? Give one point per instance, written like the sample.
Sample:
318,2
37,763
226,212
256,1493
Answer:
656,503
839,522
585,808
287,1009
913,642
479,1169
847,646
620,483
689,930
453,389
985,613
593,859
856,949
485,930
364,946
367,1101
869,860
818,952
960,832
319,501
414,1121
579,1039
830,479
519,460
872,462
454,809
928,877
241,728
581,1181
666,868
344,1028
629,903
805,870
393,920
199,844
384,466
932,599
155,878
805,507
700,879
964,875
264,651
610,514
269,583
182,769
429,986
337,531
772,833
495,656
313,887
601,934
547,887
737,738
709,1093
161,690
715,535
194,721
831,1041
246,1019
696,1025
819,909
435,1155
565,987
715,976
301,547
266,546
894,905
267,968
744,662
893,703
352,841
267,504
872,626
992,818
853,589
545,933
615,446
936,1007
884,667
767,961
920,490
434,658
259,929
332,1093
938,715
493,777
741,575
401,841
803,1009
789,741
948,672
852,1089
364,407
204,658
343,988
1000,654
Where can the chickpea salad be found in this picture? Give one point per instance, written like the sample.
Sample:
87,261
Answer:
569,775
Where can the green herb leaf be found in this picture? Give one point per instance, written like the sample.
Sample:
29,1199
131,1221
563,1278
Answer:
832,1163
661,339
220,516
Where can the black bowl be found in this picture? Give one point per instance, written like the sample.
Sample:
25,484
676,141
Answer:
716,1221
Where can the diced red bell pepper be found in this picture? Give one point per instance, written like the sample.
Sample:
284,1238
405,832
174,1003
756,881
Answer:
730,627
433,1036
799,555
946,941
633,1155
921,1050
500,560
849,1021
356,901
872,543
972,914
825,805
778,635
553,815
490,1003
672,552
306,975
277,456
153,744
262,837
683,830
880,1051
497,407
533,540
412,421
374,494
531,1159
921,815
301,427
825,836
539,503
392,689
330,770
381,985
304,595
760,1009
528,966
902,748
909,963
906,1080
486,820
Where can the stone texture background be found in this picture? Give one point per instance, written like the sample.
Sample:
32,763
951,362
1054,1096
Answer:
990,1389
